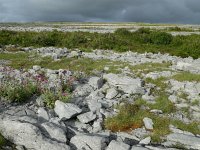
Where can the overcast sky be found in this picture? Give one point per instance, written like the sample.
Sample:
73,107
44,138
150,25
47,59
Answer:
152,11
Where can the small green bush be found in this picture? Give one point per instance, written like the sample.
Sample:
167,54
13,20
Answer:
160,38
51,97
143,31
18,92
143,40
126,119
122,32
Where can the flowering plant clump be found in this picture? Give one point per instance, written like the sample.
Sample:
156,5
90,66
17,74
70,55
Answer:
19,86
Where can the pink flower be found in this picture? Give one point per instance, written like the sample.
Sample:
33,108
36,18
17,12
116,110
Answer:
64,94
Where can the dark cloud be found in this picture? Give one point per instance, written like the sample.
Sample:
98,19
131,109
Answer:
162,11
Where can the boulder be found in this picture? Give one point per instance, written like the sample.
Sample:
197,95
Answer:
88,142
86,117
96,82
28,135
188,141
55,132
36,68
66,110
43,115
94,105
127,138
126,84
148,123
111,93
97,126
183,66
114,145
139,148
145,141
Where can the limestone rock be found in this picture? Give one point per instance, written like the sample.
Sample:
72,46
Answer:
111,93
96,82
114,145
188,141
145,141
66,110
55,132
28,135
88,142
148,123
126,84
42,115
86,117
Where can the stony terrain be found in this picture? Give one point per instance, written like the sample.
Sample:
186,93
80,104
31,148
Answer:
99,27
166,89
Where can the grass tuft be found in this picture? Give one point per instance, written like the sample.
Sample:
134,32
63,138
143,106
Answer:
187,76
2,141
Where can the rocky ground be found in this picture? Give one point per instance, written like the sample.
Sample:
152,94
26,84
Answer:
99,27
83,122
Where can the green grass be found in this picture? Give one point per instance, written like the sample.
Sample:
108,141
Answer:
131,116
164,104
150,67
187,76
24,60
191,127
141,41
18,92
86,65
2,141
160,84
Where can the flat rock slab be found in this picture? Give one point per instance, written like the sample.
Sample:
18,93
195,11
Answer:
55,132
138,148
28,135
88,142
148,123
114,145
86,117
126,84
111,93
96,82
188,141
66,110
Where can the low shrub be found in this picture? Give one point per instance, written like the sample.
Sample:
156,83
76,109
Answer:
123,32
50,97
125,120
160,38
18,92
25,86
143,40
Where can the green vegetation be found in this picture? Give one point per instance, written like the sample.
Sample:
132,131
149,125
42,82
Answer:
2,141
86,65
159,90
17,92
191,127
164,104
50,98
24,60
180,146
144,40
150,67
187,76
131,116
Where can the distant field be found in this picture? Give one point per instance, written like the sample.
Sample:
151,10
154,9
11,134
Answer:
178,40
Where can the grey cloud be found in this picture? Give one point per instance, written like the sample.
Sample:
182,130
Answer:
171,11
